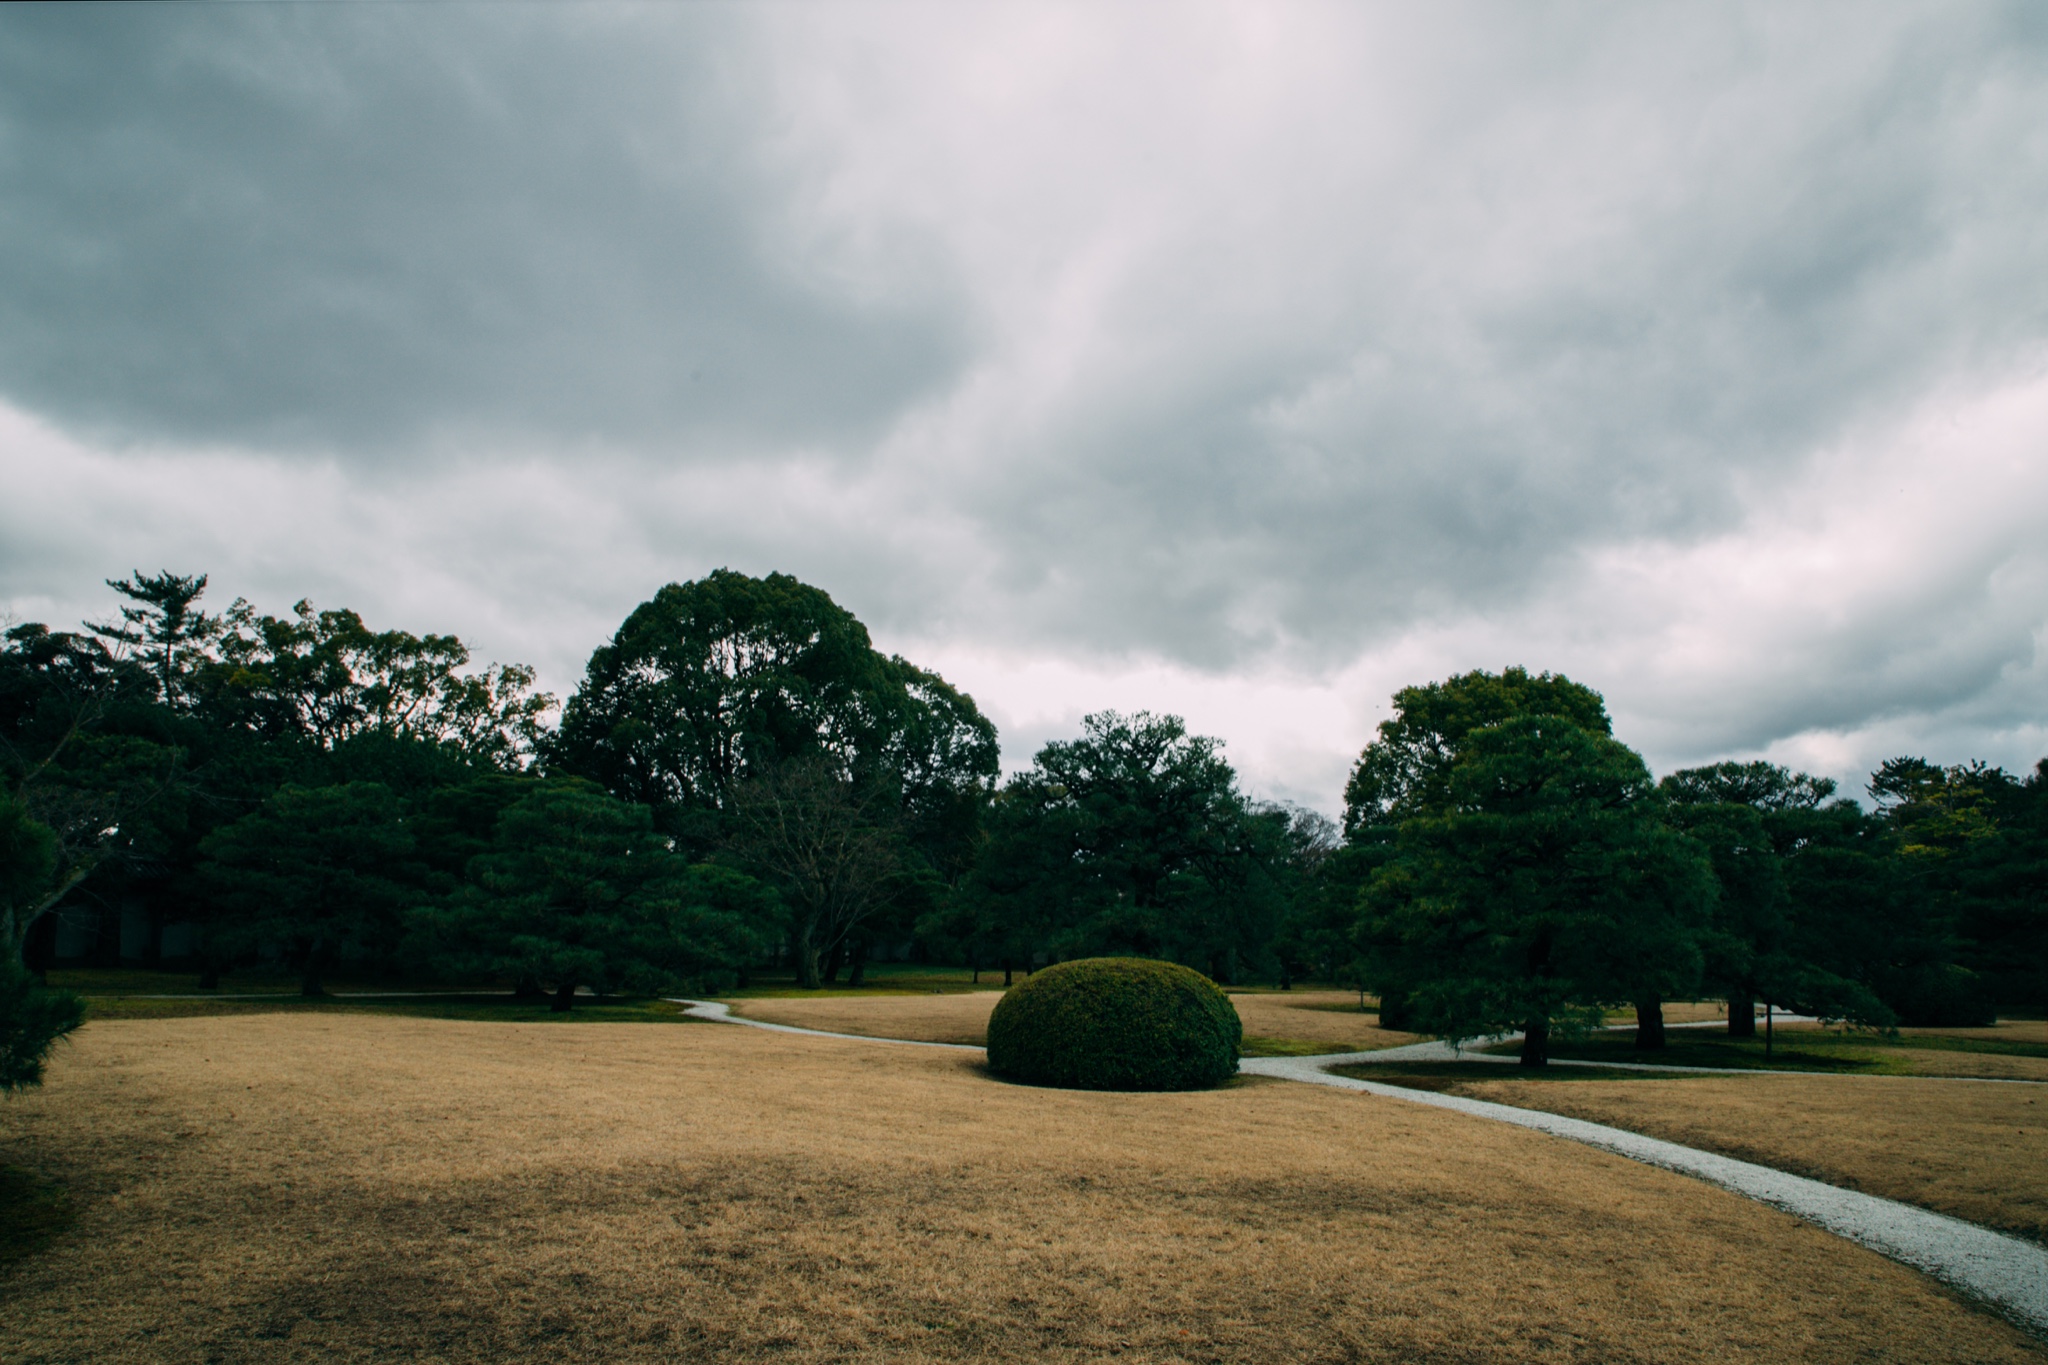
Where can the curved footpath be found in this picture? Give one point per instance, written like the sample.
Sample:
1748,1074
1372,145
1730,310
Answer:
2006,1272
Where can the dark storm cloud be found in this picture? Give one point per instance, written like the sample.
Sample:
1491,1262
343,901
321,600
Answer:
1293,353
1693,265
354,228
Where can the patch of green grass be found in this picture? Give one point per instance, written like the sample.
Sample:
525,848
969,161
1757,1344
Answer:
142,981
33,1211
1443,1076
1256,1046
502,1009
1935,1042
1801,1051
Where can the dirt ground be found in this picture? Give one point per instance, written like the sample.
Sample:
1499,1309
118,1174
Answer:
297,1187
1976,1151
1329,1019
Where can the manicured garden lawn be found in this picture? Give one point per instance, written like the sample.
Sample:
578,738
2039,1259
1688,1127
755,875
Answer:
347,1185
2016,1050
1977,1150
1276,1024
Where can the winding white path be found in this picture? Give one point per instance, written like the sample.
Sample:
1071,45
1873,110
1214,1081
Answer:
2006,1272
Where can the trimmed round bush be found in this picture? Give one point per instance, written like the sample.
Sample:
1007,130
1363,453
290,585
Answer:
1115,1023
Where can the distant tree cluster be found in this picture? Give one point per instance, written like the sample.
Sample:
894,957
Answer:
742,781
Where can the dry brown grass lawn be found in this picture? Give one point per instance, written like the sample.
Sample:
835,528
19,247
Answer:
1976,1151
1939,1061
1327,1018
297,1187
960,1018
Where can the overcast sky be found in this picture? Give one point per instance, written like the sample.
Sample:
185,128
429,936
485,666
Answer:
1244,361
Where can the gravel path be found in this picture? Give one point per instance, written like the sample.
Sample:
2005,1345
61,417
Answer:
2006,1272
713,1009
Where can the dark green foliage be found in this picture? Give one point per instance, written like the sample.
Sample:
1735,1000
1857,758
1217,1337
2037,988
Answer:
321,871
1115,1024
579,890
2002,896
1134,838
32,1019
714,681
755,718
1757,822
28,859
1406,771
1545,887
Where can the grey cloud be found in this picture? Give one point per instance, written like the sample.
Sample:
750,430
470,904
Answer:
1762,272
1377,350
355,229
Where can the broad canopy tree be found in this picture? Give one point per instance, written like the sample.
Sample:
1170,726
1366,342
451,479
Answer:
1537,887
579,889
1411,772
756,719
1754,819
1133,839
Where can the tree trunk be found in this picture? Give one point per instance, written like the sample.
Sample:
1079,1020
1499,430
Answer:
1742,1016
860,965
1536,1042
309,977
833,961
565,998
1393,1009
807,974
1649,1023
1006,973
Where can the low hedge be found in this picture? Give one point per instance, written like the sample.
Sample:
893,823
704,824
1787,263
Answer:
1115,1023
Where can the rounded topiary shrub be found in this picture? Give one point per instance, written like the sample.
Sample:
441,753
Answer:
1115,1023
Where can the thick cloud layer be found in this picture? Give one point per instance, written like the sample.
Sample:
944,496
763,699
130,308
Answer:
1242,361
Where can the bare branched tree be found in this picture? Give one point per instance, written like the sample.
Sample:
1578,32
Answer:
833,851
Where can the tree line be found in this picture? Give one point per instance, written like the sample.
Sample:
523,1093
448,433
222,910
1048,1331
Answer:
742,782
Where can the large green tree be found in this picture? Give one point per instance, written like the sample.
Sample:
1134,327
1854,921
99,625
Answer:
729,677
579,889
322,873
1133,839
1754,819
1405,772
1540,886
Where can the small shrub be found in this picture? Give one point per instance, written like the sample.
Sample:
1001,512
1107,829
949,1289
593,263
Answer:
1115,1023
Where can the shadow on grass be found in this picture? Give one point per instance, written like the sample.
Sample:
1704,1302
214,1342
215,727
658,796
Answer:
33,1211
1449,1077
1792,1052
499,1009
